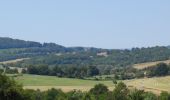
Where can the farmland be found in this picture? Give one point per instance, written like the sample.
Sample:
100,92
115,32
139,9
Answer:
149,64
155,85
13,61
67,84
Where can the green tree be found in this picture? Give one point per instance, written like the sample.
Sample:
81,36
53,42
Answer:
150,96
88,96
9,89
92,71
54,94
160,69
136,94
99,91
120,92
75,95
33,95
164,96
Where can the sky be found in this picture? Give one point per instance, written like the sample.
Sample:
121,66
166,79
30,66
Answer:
112,24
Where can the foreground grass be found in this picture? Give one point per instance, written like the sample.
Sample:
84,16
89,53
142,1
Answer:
151,84
155,85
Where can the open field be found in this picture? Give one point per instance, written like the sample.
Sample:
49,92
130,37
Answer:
66,84
13,61
149,64
155,85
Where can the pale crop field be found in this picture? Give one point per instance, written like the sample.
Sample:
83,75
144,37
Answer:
156,84
13,61
149,64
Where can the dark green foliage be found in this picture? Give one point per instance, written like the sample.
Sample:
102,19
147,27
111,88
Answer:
1,71
115,58
88,96
150,96
14,49
6,43
79,62
9,89
63,71
164,96
99,89
74,71
75,95
38,69
53,54
120,92
160,69
114,81
136,95
92,71
11,71
54,94
33,95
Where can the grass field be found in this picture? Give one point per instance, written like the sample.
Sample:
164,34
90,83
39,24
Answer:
155,85
149,64
66,84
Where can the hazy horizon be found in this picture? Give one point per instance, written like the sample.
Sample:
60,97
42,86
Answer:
102,24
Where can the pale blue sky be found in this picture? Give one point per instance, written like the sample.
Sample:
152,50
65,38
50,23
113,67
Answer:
97,23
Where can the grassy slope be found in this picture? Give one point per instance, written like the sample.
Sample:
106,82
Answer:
156,84
149,64
66,84
37,80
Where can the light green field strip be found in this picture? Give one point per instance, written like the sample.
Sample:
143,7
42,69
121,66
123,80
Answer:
67,84
37,80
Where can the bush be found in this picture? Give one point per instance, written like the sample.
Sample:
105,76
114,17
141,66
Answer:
149,96
54,94
120,92
9,89
164,96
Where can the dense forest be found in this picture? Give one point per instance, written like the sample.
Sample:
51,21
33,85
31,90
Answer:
71,71
51,53
79,62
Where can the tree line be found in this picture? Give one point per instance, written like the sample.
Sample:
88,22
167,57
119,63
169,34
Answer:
51,53
63,71
84,72
158,70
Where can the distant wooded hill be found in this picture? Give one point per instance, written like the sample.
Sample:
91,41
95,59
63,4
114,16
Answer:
54,54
